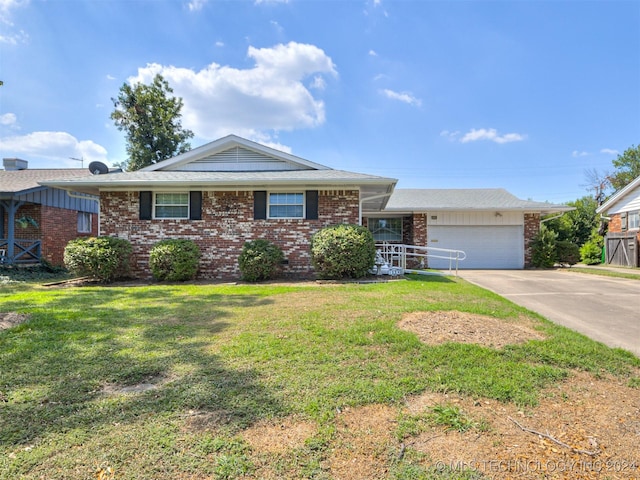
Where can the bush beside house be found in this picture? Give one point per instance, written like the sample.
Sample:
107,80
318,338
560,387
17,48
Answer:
343,251
174,260
260,260
104,258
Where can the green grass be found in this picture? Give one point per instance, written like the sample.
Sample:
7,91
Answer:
608,273
237,355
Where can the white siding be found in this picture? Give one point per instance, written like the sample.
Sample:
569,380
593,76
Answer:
239,159
475,218
628,203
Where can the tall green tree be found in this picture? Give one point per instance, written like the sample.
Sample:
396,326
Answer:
627,167
151,119
576,226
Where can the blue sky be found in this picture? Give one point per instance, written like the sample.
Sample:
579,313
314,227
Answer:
524,95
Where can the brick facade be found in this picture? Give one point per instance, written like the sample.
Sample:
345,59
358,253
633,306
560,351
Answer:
531,229
56,227
615,223
227,223
59,226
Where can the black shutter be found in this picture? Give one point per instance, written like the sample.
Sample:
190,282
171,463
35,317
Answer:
195,205
146,205
312,204
259,205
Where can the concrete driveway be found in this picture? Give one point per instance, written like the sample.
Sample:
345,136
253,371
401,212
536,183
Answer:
603,308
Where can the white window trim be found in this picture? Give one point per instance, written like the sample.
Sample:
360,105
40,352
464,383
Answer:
155,205
304,205
635,215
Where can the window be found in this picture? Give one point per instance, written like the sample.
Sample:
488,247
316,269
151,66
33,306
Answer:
84,222
386,229
634,220
286,205
171,205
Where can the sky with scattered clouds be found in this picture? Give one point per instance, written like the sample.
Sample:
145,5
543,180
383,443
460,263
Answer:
524,95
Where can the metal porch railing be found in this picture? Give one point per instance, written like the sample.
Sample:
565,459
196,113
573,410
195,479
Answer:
414,258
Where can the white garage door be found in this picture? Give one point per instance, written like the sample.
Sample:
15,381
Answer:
486,247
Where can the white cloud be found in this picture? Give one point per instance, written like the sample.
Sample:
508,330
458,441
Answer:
450,135
219,43
110,77
576,154
404,97
14,38
8,119
53,146
269,97
196,5
318,83
373,53
278,28
609,151
6,9
491,134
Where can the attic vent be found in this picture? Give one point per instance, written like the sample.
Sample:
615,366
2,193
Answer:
13,164
239,155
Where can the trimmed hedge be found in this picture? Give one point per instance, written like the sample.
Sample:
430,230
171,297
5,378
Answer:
174,260
104,258
260,260
343,251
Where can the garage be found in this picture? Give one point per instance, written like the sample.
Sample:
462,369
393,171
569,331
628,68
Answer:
500,247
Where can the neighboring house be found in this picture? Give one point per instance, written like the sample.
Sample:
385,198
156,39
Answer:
36,222
622,242
232,190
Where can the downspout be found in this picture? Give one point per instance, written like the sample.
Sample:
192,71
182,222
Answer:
552,218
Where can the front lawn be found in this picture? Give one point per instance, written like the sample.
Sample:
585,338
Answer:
165,381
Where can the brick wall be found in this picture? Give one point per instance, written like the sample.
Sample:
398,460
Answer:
531,229
59,226
56,226
615,224
227,223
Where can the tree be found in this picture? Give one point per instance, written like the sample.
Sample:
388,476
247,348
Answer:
627,168
150,117
576,226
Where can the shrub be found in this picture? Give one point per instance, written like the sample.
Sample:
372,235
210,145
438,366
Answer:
591,251
105,258
343,251
543,248
174,260
568,253
260,260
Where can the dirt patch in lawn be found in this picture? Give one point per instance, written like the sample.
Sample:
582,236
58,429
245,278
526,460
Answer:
434,328
11,319
585,427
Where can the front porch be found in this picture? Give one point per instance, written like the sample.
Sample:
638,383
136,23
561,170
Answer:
20,251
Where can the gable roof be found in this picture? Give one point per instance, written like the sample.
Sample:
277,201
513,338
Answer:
21,182
479,199
233,153
234,163
620,197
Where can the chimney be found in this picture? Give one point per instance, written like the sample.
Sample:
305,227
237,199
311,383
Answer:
13,164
